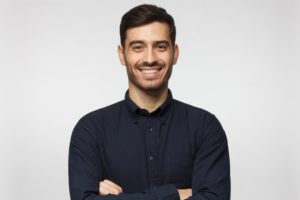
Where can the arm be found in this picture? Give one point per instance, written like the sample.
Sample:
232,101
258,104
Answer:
211,173
108,187
86,170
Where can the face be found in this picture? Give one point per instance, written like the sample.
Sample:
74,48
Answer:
149,56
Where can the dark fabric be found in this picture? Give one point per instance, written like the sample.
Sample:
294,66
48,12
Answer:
150,155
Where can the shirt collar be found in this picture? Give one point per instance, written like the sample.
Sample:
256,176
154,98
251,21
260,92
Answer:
161,111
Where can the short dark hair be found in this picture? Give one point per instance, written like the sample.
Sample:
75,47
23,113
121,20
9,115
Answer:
145,14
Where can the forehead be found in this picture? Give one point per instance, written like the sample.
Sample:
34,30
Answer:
155,31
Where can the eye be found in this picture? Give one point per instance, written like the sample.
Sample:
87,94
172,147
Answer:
137,47
162,47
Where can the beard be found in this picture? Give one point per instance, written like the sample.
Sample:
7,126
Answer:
149,85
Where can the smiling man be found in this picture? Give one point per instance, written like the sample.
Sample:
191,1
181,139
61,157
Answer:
149,146
149,55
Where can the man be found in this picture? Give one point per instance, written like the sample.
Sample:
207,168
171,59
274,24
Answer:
149,146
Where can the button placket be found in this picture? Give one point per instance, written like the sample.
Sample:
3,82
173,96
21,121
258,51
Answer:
151,148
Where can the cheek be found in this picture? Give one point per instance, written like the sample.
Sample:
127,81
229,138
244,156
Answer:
132,61
167,58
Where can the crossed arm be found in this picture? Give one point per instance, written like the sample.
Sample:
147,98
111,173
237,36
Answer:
108,187
210,176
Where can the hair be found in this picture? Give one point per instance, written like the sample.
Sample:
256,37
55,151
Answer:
145,14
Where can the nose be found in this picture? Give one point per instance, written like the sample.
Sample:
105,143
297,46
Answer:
150,55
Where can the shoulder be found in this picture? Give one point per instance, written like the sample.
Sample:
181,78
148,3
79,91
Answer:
104,111
197,118
191,110
98,117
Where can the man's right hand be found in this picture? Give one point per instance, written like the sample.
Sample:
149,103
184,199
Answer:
107,187
184,193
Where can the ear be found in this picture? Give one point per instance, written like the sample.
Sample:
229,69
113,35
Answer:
121,55
175,54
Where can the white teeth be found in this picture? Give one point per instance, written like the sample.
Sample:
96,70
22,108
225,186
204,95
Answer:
149,71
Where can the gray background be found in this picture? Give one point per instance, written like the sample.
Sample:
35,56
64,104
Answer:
239,60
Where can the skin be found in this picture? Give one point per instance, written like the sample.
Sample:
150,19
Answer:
149,56
148,47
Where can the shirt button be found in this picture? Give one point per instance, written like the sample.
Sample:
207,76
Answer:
151,158
150,129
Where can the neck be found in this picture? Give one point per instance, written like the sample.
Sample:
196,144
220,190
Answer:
149,100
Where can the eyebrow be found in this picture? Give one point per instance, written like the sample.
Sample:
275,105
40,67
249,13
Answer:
162,41
142,42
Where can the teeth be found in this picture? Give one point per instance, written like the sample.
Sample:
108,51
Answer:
149,71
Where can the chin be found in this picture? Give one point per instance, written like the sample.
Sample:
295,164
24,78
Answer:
153,87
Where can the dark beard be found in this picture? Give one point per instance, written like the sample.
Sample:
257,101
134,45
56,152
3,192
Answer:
157,88
133,79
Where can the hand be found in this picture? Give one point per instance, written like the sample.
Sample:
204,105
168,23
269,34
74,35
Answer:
108,187
184,193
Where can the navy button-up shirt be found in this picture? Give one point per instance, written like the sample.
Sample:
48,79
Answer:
150,155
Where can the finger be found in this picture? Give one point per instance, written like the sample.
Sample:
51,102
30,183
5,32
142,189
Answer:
106,189
113,185
103,191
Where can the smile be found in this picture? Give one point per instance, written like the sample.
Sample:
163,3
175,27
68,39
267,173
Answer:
150,71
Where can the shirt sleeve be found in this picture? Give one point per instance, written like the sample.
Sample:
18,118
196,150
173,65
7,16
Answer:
211,171
86,170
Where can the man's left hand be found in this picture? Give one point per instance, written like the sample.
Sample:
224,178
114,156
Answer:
107,187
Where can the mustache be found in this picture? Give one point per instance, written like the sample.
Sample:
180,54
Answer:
152,64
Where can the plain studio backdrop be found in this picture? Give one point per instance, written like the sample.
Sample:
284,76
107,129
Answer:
238,59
